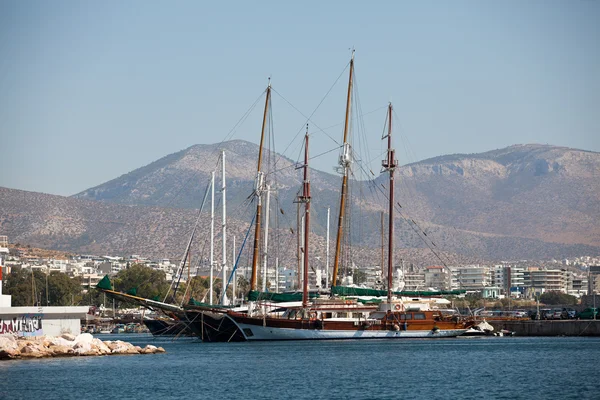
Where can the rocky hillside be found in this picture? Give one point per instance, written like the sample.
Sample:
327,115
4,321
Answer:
179,179
530,191
522,202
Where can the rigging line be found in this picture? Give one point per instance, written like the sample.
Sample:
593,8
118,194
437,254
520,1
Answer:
243,117
411,189
325,152
367,113
182,264
358,132
362,141
407,218
307,118
412,157
230,133
318,105
187,233
293,166
408,221
237,259
424,241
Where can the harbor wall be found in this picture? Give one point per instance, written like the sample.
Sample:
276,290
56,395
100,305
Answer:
40,321
550,328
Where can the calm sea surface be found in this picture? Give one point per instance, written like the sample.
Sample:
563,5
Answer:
463,368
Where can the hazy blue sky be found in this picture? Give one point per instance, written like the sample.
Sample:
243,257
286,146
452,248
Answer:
91,90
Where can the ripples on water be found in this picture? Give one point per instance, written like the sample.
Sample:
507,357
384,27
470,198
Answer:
463,368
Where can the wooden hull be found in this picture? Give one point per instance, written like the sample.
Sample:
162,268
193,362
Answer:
257,328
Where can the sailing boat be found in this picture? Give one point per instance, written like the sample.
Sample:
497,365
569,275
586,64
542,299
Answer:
208,321
347,319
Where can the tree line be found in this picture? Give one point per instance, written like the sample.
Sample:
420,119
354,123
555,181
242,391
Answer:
36,288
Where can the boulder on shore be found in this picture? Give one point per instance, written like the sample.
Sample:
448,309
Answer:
67,345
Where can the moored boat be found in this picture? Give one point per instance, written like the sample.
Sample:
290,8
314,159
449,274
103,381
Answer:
339,318
166,327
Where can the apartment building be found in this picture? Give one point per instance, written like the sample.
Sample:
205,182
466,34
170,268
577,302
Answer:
438,278
547,280
472,277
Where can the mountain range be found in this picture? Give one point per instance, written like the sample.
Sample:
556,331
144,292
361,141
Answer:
521,202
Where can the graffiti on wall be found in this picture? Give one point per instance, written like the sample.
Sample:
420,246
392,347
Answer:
22,325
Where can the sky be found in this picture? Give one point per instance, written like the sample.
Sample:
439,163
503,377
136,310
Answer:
92,90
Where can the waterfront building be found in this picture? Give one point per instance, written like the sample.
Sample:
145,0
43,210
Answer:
287,279
4,299
509,278
437,277
472,277
594,279
35,321
414,279
490,292
579,285
542,280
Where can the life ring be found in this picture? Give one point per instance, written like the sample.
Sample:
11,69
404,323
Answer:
399,307
313,315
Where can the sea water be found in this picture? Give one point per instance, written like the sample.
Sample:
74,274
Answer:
460,368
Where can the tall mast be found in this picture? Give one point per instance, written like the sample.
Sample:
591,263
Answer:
389,165
298,245
212,234
266,243
234,271
382,248
305,198
224,227
258,188
327,253
276,274
345,160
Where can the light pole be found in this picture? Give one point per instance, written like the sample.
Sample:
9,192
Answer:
47,272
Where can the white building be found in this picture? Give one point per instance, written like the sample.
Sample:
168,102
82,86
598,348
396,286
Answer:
471,277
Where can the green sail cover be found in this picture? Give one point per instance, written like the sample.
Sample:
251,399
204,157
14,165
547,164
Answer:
104,283
132,291
354,291
370,301
255,295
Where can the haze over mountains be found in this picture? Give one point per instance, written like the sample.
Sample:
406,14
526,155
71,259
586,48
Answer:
521,202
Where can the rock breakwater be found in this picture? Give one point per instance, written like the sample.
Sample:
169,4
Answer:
67,345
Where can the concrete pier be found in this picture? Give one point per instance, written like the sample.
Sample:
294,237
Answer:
550,328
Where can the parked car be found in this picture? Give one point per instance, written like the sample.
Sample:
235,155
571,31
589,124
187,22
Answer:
521,314
568,313
557,313
547,313
588,313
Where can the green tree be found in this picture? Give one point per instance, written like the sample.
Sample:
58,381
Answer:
197,288
62,290
29,288
474,300
553,298
19,285
147,282
218,288
243,286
